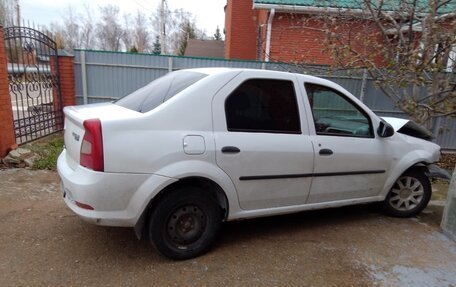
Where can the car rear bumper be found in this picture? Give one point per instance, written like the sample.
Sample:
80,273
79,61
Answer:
117,199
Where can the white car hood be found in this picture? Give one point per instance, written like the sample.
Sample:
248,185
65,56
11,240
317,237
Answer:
396,123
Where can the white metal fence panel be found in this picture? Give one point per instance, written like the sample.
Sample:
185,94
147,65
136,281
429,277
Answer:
103,76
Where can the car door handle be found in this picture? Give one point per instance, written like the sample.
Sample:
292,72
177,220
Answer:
230,149
326,151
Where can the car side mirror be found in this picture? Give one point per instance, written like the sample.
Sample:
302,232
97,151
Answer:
385,130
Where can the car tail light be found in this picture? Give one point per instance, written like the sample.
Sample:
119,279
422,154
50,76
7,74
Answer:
92,146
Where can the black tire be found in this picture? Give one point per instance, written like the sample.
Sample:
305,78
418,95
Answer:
184,223
409,195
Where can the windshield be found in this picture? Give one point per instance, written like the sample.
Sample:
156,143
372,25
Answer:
159,91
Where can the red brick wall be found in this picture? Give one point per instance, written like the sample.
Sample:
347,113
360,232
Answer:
67,82
296,40
241,30
7,138
65,72
228,24
300,38
294,37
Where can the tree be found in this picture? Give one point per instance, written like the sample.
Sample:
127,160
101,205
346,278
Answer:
127,33
71,30
408,50
184,30
76,31
7,12
109,31
87,30
157,46
218,36
162,25
179,26
188,31
57,31
141,36
59,41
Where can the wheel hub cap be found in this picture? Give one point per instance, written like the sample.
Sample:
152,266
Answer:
186,224
406,193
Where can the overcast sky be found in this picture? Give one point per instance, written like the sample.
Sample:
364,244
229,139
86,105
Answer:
209,13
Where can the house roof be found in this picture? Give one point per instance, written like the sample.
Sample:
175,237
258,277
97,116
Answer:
205,48
345,4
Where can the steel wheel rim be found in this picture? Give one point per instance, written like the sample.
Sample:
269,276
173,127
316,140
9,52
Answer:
185,225
406,194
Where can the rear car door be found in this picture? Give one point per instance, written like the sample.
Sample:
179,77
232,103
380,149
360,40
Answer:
351,161
261,141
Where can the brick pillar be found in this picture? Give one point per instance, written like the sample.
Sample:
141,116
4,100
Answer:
241,29
7,137
65,73
67,82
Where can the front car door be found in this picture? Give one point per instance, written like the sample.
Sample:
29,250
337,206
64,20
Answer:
261,141
351,161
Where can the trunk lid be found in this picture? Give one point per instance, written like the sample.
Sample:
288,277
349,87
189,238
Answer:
74,129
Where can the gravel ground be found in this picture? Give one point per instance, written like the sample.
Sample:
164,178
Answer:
44,244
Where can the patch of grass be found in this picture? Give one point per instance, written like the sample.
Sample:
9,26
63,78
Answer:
48,149
49,154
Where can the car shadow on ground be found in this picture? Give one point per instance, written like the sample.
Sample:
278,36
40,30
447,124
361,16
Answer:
285,225
123,242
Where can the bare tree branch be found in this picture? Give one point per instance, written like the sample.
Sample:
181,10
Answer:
406,51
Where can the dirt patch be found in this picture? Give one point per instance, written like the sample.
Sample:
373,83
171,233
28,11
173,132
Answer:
39,154
44,243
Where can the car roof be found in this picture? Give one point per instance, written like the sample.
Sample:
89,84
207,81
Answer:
221,70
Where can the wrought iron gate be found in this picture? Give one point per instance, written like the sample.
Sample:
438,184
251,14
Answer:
33,83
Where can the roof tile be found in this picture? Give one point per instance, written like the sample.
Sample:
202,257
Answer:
356,4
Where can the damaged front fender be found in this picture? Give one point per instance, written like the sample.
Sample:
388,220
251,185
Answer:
410,128
435,171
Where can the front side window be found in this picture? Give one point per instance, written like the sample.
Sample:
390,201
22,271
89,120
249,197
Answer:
263,105
336,115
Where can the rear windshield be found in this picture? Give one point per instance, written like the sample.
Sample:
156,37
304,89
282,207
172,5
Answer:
159,91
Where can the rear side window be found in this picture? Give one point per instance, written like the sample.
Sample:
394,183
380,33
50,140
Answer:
263,105
159,91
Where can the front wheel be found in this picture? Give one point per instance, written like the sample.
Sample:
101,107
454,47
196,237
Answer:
409,195
184,223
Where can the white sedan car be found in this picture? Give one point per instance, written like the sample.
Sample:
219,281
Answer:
198,147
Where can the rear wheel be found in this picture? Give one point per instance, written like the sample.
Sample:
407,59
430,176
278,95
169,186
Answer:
184,223
409,195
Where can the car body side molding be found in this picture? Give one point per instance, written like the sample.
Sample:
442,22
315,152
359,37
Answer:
278,176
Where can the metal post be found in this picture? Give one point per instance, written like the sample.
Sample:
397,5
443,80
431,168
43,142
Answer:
84,78
268,35
170,64
162,23
363,86
263,66
436,128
